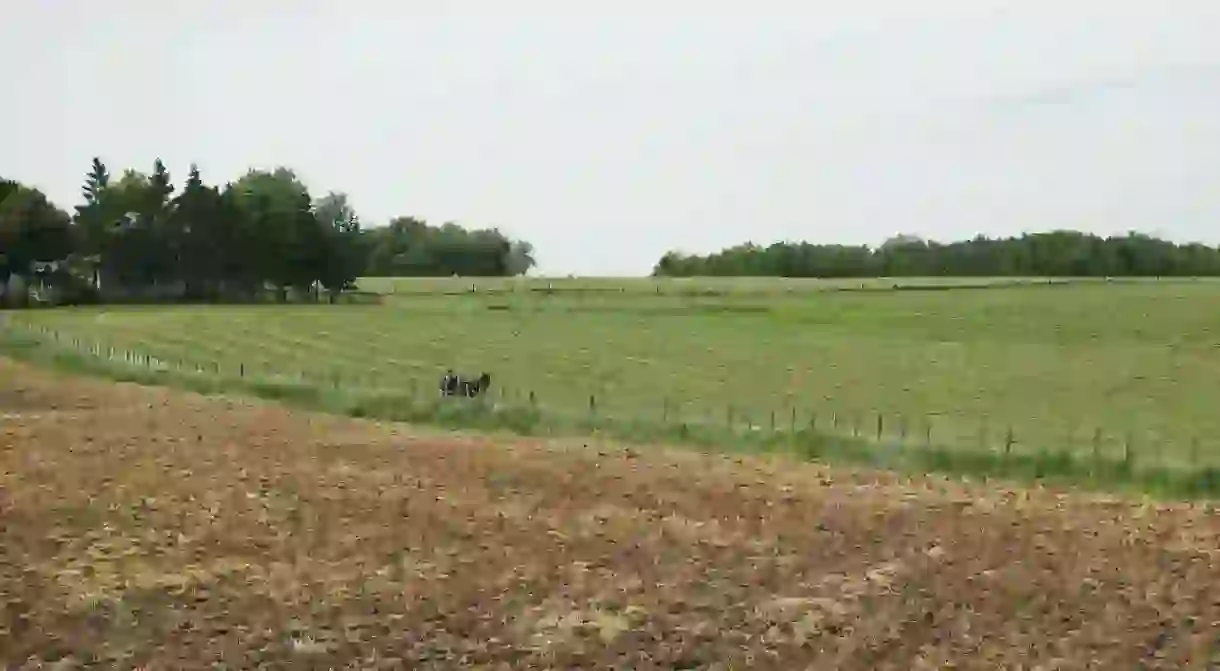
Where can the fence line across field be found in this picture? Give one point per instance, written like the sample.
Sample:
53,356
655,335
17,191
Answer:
900,429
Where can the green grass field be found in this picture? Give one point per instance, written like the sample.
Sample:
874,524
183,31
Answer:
1137,360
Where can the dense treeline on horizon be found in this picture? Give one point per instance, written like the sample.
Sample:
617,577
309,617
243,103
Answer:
1051,254
138,236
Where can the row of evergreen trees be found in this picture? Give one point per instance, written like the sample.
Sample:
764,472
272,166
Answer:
214,242
1051,254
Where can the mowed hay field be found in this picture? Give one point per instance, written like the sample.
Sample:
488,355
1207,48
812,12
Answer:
152,528
1063,366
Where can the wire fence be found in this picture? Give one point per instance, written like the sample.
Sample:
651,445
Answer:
729,286
875,430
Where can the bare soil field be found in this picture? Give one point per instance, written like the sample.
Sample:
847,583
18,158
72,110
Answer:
157,529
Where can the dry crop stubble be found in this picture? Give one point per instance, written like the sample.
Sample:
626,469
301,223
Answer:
152,527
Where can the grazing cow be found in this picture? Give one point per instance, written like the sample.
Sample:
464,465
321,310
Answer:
455,385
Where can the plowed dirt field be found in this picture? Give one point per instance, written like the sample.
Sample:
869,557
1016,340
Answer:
146,527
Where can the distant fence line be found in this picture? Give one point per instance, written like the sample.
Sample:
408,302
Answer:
39,297
882,430
782,286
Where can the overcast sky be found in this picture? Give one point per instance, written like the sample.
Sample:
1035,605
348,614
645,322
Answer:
607,133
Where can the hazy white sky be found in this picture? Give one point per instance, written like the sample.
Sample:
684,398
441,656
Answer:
607,133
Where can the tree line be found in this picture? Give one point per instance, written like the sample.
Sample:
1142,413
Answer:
1049,254
139,235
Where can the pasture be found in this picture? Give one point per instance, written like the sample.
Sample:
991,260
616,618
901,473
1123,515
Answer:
1076,366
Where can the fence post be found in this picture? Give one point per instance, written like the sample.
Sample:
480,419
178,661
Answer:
1009,439
773,421
880,425
533,399
927,432
592,406
792,422
855,425
834,419
241,369
813,421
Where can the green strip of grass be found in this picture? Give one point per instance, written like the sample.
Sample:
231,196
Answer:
1054,467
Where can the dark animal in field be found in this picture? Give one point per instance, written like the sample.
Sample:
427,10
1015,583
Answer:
456,385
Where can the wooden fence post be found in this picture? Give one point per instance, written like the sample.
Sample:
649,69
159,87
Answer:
1009,439
792,421
592,406
880,425
772,421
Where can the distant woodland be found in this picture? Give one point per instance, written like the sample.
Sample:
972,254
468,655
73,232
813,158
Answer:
141,237
1051,254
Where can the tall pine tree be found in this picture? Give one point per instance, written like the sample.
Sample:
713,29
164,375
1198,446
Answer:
92,219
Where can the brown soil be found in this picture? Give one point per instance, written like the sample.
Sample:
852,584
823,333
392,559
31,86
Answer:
145,527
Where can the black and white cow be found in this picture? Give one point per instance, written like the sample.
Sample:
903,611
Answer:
456,385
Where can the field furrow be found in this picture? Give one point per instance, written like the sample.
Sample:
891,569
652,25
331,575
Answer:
148,527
